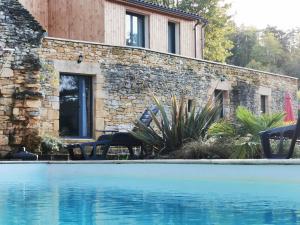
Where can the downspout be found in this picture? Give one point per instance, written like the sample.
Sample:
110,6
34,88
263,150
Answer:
202,37
195,36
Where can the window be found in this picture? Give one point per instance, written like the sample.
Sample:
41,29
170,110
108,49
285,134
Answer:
190,105
219,97
75,114
173,38
263,103
135,30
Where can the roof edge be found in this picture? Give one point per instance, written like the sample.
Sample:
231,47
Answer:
163,9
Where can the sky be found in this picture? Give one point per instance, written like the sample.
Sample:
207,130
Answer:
285,14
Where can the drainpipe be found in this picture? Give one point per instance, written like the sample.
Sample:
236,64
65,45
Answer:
202,37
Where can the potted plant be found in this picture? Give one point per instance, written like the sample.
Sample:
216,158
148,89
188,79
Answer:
50,146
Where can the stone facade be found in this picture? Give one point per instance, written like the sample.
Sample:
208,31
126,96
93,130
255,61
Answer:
20,96
124,79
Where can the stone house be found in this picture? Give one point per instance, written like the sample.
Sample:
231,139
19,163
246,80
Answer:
71,77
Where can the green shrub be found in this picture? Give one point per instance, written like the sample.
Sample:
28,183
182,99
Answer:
51,145
244,135
172,131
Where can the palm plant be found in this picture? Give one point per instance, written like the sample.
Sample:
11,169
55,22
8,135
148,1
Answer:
174,129
245,134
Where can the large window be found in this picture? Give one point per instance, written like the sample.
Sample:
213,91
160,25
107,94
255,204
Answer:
135,30
75,114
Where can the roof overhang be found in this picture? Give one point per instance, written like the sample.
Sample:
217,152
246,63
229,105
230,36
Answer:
141,4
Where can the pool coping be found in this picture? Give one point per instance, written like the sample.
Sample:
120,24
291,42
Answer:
171,161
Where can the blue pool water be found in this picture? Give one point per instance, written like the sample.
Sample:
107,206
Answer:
156,194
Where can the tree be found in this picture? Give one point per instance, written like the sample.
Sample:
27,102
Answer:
219,27
244,39
268,51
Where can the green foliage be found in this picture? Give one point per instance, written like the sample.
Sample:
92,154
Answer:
218,29
269,52
253,124
50,144
269,49
244,40
173,130
244,135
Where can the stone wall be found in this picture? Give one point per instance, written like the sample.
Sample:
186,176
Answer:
124,79
20,96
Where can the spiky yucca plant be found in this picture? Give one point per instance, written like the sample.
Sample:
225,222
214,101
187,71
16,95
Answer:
180,126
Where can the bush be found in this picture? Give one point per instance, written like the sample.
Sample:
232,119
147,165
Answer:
210,149
51,145
244,135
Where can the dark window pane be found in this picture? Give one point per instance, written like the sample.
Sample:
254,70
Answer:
190,105
135,30
263,104
75,106
219,96
172,37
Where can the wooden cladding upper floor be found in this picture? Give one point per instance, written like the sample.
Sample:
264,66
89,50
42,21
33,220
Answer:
71,19
104,21
39,9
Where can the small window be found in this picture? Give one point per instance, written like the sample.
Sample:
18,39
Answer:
173,37
219,97
263,103
135,30
190,105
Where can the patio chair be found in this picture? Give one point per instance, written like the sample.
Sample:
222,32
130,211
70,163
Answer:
106,141
281,134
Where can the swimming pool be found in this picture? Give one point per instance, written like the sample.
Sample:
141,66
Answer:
159,194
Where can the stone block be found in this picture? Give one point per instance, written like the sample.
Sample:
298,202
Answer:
99,124
3,140
53,114
33,103
56,126
7,73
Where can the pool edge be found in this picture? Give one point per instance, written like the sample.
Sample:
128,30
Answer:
172,161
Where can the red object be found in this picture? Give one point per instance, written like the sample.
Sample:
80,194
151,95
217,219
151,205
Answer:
288,109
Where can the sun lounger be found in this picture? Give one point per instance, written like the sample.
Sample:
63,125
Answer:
106,141
280,134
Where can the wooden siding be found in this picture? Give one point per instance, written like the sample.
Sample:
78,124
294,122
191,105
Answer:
187,38
80,19
158,32
115,24
39,9
105,21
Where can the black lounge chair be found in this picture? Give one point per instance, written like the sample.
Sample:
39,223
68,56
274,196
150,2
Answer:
280,133
108,140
